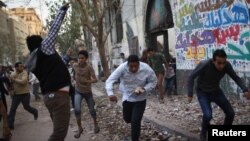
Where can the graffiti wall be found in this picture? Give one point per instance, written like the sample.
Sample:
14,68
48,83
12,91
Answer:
205,25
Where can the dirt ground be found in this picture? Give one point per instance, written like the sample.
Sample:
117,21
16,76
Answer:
175,113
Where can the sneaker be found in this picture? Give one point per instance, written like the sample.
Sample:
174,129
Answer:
36,116
78,134
96,129
72,109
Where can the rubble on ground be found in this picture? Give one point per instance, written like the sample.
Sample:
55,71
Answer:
114,128
187,116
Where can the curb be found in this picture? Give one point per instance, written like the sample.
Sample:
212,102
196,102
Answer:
171,128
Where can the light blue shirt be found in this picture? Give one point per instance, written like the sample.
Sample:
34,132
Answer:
144,77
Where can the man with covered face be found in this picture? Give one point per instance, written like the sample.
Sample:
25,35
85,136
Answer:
53,75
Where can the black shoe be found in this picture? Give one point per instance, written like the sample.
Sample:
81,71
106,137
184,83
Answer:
203,136
4,139
36,116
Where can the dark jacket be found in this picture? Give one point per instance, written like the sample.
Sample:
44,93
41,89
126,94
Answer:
51,72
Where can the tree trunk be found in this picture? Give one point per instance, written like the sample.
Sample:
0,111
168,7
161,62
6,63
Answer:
103,59
97,32
101,48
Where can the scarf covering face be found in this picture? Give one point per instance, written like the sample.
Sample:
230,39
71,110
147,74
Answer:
31,62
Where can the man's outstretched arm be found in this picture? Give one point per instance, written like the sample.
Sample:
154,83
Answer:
48,44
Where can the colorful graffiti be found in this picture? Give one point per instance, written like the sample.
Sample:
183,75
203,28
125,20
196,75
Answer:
196,53
205,25
223,34
209,5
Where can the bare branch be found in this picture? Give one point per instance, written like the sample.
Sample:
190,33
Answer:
84,10
88,25
86,19
106,6
97,10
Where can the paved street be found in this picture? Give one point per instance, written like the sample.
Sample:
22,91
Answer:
27,129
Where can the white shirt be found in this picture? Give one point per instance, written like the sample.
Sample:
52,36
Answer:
144,77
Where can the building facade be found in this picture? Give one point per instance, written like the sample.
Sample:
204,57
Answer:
30,17
189,30
4,35
19,30
16,25
140,31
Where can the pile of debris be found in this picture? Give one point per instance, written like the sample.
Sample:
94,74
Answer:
187,116
114,128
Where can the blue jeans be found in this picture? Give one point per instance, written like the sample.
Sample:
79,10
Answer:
133,113
16,100
90,102
218,97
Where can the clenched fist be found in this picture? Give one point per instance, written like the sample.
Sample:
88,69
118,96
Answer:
139,90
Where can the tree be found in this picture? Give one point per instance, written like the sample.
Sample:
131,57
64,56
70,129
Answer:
94,18
70,30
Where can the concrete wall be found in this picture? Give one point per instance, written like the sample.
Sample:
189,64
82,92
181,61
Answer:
201,27
134,14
